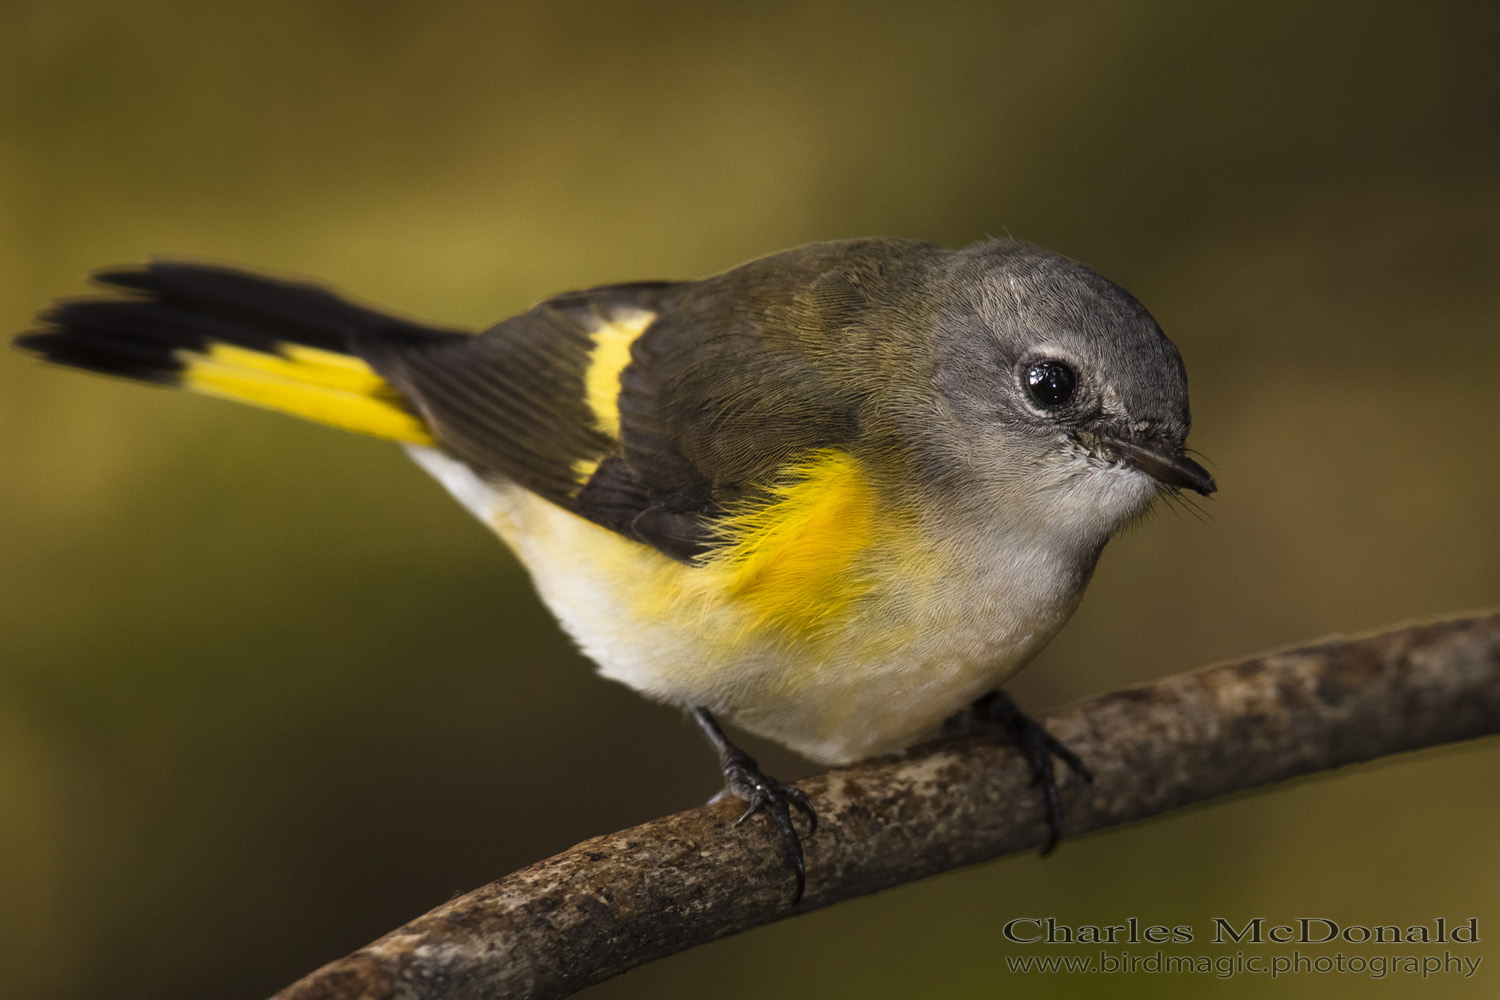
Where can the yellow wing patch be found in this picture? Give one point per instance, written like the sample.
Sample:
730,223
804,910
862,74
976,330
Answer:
794,562
583,471
610,355
335,389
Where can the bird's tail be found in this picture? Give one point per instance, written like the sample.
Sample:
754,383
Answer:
277,344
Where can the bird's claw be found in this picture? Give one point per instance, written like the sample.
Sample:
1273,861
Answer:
744,779
1039,747
776,799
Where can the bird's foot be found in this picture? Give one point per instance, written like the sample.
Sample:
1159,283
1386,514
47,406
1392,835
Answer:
1040,748
762,793
744,779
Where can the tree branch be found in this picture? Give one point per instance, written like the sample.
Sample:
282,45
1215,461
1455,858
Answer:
621,900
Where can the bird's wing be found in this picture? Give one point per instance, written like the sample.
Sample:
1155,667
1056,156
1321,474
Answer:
647,408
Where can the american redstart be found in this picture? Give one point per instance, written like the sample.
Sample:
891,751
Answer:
833,495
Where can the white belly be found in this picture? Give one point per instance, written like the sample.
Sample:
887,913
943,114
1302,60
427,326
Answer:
912,652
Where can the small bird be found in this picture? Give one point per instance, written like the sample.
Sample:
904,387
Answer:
834,495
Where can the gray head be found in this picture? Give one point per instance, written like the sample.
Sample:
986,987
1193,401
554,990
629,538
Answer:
1074,402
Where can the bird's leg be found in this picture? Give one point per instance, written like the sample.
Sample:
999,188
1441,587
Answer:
745,780
997,710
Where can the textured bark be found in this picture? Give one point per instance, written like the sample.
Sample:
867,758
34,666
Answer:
621,900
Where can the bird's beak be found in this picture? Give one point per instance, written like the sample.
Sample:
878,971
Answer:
1172,470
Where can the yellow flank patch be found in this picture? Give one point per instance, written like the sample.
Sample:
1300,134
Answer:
793,561
610,355
335,389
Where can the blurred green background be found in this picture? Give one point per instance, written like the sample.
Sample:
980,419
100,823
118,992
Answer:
266,692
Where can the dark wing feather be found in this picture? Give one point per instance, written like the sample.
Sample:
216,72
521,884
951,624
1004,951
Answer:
512,401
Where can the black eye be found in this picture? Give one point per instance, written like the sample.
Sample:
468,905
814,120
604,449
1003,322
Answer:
1051,384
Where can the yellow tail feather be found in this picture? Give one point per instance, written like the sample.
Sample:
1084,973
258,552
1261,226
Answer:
335,389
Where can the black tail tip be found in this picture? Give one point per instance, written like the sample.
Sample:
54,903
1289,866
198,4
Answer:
35,341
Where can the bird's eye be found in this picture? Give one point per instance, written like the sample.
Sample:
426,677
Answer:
1050,383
